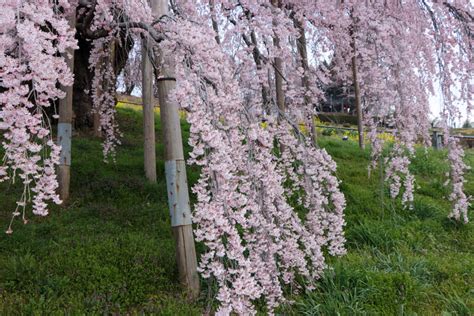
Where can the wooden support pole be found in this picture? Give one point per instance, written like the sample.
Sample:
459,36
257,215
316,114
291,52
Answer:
97,132
303,52
278,64
280,95
175,169
355,80
65,128
148,114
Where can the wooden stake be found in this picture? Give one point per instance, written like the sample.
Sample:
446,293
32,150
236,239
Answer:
148,115
65,128
278,64
97,132
303,52
175,169
360,128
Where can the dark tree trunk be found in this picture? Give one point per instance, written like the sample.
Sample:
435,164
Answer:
82,106
82,103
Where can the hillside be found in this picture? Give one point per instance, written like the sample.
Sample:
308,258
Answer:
111,252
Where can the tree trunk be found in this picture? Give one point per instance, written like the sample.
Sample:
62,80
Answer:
215,26
258,62
82,100
278,66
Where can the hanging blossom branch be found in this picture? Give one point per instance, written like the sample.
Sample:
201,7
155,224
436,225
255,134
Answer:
33,35
104,21
457,169
403,48
448,22
394,93
256,242
103,93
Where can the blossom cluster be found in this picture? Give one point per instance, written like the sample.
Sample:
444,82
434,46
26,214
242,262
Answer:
457,169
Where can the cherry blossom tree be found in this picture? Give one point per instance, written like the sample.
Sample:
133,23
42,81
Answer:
32,35
247,74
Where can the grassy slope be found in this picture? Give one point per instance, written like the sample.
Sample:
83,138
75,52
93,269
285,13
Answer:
111,249
398,261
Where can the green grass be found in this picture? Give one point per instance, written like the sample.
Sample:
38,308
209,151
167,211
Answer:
399,262
111,252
